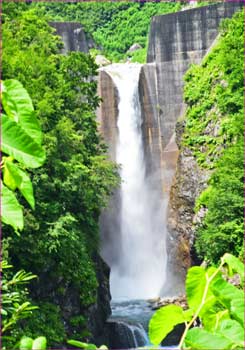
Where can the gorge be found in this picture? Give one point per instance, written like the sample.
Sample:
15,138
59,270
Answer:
150,218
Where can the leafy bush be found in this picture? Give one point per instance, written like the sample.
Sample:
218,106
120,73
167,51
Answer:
214,133
75,181
218,304
15,303
46,320
214,94
138,56
223,226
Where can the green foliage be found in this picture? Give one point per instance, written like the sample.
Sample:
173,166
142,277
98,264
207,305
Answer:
21,141
206,3
222,228
47,320
214,94
27,343
12,213
22,138
114,26
138,56
214,133
72,186
15,304
218,304
82,345
171,315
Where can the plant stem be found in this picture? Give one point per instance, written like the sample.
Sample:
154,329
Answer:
209,280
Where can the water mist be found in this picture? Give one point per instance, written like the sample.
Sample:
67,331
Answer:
139,270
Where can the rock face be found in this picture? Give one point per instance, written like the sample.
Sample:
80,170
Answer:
123,335
189,181
99,312
73,36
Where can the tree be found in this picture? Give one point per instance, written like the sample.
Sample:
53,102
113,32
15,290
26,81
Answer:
72,186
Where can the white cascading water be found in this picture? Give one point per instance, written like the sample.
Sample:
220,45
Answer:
139,272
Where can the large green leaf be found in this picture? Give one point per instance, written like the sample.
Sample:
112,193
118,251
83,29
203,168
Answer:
16,143
233,331
12,213
82,345
235,265
164,320
196,282
18,105
226,292
195,285
199,339
26,343
10,179
22,181
39,343
211,319
237,309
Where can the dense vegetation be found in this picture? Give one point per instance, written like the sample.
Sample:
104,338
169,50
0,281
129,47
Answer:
59,241
214,132
114,26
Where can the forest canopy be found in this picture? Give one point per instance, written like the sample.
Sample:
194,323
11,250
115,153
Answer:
113,26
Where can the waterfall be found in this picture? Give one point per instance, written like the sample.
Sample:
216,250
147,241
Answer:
139,270
127,336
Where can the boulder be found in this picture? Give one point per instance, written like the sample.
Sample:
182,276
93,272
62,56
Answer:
134,47
102,60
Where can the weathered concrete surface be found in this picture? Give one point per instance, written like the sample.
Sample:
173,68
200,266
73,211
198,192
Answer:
176,40
73,36
107,112
107,115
